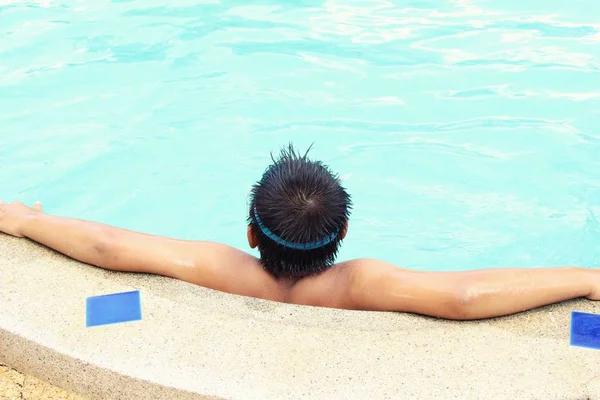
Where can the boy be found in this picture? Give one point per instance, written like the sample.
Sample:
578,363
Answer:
298,218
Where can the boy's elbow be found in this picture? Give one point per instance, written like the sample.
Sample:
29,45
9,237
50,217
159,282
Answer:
102,252
459,311
463,305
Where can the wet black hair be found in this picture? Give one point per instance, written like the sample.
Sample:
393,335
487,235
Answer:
297,205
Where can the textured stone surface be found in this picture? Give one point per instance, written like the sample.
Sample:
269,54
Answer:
17,386
198,343
11,383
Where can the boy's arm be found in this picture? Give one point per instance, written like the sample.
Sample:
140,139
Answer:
376,285
207,264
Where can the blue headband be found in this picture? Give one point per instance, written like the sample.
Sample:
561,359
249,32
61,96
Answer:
296,246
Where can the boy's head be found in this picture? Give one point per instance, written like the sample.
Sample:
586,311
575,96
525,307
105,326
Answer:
298,215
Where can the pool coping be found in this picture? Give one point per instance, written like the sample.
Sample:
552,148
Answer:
197,343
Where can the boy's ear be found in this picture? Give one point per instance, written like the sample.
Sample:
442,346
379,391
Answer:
344,231
252,242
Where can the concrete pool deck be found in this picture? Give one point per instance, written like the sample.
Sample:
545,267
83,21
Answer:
196,343
14,385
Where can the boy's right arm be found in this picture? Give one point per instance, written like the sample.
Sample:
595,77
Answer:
465,295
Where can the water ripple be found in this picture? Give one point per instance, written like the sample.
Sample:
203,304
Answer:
467,131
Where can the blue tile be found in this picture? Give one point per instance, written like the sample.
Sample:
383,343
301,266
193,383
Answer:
585,330
113,308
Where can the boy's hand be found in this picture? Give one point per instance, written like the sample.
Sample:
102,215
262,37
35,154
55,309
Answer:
13,216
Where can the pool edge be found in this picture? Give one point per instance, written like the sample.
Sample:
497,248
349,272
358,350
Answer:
288,351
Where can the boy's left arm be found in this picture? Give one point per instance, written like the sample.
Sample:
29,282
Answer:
213,265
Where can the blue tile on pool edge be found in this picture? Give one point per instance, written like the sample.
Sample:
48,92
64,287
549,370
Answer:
113,308
585,330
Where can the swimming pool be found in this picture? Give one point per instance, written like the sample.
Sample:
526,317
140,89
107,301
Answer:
466,131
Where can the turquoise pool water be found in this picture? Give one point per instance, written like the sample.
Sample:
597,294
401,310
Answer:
467,131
